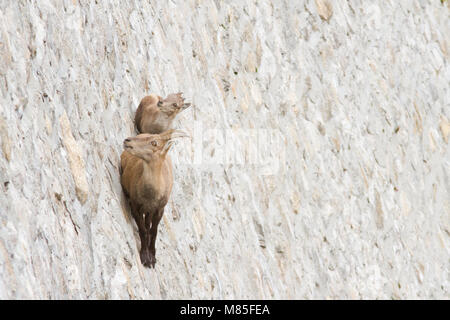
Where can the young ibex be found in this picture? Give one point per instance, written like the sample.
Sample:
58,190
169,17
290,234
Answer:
155,114
146,178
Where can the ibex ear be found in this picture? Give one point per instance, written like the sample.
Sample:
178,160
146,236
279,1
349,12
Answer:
179,134
167,147
174,134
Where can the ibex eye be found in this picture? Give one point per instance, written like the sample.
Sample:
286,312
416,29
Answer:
154,143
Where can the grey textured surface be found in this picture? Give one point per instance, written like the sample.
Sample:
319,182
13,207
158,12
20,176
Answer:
358,91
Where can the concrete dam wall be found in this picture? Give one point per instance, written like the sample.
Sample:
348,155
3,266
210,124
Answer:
318,164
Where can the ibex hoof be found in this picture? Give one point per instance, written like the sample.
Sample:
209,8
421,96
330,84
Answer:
147,259
152,261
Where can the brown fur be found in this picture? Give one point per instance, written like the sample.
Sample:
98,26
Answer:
147,179
155,114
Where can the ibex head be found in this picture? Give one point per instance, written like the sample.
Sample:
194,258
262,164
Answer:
173,104
152,147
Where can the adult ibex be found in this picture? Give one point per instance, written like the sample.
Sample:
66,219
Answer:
155,114
146,178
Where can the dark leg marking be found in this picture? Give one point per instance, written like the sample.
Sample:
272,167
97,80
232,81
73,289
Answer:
153,233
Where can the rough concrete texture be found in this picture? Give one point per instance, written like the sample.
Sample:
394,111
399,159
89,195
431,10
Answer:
358,91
